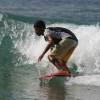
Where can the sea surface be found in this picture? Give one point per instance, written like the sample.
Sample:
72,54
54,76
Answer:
20,49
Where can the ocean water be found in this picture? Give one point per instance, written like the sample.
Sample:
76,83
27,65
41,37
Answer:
20,49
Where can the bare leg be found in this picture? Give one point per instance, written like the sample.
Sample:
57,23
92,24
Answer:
60,64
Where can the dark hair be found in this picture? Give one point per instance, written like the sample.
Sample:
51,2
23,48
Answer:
40,24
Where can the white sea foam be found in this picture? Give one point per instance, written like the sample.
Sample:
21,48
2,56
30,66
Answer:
91,80
86,56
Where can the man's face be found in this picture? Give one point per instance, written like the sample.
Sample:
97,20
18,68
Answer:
39,31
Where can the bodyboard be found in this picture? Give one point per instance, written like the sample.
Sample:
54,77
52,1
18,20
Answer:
53,79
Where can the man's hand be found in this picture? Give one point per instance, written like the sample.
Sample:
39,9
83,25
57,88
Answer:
40,58
50,40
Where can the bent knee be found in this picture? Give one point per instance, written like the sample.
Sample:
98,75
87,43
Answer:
51,57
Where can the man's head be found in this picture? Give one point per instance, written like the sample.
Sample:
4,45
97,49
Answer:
39,27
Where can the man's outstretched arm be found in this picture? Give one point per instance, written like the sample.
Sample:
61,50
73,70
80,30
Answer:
50,43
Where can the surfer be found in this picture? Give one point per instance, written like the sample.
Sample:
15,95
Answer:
61,43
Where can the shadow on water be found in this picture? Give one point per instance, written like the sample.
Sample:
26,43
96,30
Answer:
5,51
55,89
6,66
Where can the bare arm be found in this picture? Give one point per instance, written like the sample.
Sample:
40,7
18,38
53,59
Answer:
50,43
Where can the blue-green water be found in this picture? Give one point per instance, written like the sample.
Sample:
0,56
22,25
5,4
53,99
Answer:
70,11
20,48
